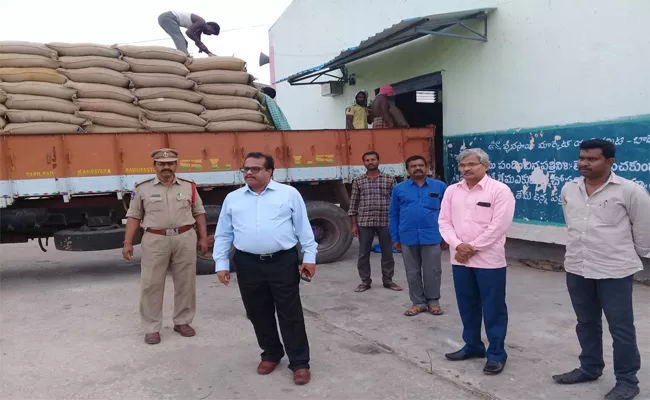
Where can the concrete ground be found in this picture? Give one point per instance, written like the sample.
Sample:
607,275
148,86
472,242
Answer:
70,329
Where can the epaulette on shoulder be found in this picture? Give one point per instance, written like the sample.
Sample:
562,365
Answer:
141,182
185,179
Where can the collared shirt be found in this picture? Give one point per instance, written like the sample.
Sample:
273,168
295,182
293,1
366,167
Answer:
359,116
263,223
273,112
370,200
607,231
479,217
414,212
165,207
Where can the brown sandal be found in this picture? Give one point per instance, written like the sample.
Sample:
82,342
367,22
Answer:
414,310
435,309
362,287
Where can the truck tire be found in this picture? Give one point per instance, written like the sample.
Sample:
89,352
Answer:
93,239
332,230
205,263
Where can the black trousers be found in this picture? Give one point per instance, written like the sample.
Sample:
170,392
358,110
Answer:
592,297
268,285
366,237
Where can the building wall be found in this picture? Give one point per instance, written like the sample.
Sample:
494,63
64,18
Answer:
546,63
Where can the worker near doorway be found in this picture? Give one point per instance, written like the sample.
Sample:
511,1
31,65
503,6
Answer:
172,21
380,108
357,116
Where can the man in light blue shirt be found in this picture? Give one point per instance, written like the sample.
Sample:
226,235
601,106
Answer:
265,220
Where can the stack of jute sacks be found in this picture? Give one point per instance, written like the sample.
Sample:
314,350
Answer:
85,87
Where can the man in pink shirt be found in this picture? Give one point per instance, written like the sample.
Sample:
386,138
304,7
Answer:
474,217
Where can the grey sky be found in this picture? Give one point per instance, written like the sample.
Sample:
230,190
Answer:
244,24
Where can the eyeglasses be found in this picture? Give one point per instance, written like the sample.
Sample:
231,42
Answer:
253,170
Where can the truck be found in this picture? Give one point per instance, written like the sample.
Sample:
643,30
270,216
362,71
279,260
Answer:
76,188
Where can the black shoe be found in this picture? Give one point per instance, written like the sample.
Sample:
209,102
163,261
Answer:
462,355
575,376
494,367
622,391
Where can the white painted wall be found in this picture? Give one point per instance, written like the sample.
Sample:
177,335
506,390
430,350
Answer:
546,62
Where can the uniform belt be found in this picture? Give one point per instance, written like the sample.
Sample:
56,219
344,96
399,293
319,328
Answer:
269,256
170,232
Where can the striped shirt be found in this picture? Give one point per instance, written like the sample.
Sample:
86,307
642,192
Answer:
370,200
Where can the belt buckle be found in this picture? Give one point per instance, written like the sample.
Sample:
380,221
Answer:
171,232
266,257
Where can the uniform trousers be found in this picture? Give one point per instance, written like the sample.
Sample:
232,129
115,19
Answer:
270,284
159,254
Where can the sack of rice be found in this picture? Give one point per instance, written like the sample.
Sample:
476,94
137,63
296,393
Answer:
109,106
174,117
233,114
153,53
70,62
99,91
29,116
83,49
43,103
155,126
217,102
17,47
159,80
3,110
96,75
42,128
216,76
236,126
156,66
31,74
39,89
3,95
168,93
111,129
13,60
110,119
217,62
229,89
171,105
3,123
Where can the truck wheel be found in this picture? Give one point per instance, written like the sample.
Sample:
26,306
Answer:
332,230
93,239
205,263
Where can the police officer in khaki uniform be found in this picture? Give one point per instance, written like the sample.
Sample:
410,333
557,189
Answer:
167,207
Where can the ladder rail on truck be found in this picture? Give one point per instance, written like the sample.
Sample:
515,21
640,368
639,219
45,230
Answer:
75,188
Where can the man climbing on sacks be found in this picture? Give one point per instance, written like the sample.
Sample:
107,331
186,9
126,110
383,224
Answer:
167,207
172,21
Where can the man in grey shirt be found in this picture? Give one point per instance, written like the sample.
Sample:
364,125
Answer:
608,221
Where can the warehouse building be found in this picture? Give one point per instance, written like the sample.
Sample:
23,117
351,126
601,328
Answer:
526,80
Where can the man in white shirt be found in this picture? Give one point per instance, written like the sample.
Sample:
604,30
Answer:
172,21
608,221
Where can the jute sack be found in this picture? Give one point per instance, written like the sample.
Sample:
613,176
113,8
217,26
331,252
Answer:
110,119
235,126
99,91
216,102
174,117
171,105
159,80
96,75
29,102
17,47
229,89
111,129
216,76
155,126
3,122
109,106
29,116
233,114
168,93
83,49
153,53
217,62
39,89
3,109
69,62
3,96
156,66
31,74
42,128
14,60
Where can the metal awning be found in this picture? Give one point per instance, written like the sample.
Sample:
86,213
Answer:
403,32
